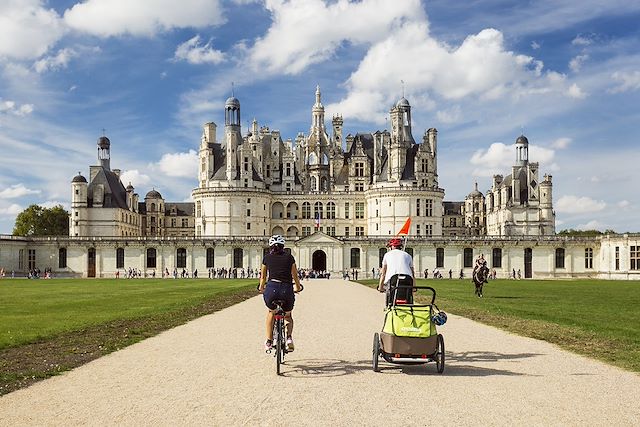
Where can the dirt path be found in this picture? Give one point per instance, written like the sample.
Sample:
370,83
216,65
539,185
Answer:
213,371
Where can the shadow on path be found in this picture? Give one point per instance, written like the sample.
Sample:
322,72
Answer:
486,356
307,368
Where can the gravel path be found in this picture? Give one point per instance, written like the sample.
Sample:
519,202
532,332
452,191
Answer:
213,371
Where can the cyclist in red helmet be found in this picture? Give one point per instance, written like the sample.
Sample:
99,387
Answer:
397,270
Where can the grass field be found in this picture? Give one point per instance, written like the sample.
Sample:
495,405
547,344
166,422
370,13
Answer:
597,318
49,326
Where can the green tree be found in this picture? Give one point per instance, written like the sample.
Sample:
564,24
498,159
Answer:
39,221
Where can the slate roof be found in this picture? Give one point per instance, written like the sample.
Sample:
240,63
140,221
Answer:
115,195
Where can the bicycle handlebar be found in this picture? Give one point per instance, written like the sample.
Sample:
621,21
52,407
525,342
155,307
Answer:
433,297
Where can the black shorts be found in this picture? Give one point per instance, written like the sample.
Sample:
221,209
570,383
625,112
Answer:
279,291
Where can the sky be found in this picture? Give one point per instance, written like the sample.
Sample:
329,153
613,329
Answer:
149,73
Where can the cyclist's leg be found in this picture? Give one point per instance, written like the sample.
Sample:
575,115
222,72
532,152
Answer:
288,319
269,323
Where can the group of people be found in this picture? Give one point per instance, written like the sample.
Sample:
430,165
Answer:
304,274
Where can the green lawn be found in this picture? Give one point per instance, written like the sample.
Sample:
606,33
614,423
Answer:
597,318
35,310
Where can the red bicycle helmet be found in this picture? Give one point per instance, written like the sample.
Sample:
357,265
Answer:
396,242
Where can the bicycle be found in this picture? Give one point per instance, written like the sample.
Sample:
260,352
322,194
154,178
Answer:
279,333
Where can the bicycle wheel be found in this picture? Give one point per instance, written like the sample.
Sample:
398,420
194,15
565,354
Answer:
376,352
440,354
279,347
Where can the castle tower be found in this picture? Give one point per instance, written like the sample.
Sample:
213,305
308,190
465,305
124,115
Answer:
78,213
206,154
337,123
104,155
232,135
522,151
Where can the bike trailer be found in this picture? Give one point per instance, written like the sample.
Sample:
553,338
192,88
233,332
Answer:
409,330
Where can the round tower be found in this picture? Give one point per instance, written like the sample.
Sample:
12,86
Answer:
78,213
522,151
104,152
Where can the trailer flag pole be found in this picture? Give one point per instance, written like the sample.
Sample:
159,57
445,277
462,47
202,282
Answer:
404,231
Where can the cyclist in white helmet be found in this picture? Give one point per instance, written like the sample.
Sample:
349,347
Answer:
280,267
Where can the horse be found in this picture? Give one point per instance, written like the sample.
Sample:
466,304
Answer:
480,276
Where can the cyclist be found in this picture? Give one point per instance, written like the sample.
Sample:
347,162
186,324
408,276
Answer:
399,264
280,267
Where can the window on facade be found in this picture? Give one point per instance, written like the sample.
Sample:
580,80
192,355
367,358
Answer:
617,257
306,210
306,231
120,258
198,208
185,222
439,257
248,226
559,258
331,210
355,258
346,210
424,165
181,258
381,253
237,257
210,257
346,232
418,207
268,171
359,231
288,169
588,258
634,257
173,222
417,229
496,258
359,210
20,259
468,257
317,210
452,222
31,260
62,258
359,186
151,258
359,169
409,251
428,207
429,230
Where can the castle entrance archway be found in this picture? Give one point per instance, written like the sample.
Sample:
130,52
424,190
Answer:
319,261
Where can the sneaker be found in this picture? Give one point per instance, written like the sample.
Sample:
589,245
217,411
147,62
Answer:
290,346
268,345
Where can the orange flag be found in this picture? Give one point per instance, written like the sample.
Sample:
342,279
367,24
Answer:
405,228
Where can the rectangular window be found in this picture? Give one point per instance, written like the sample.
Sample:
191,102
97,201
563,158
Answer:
306,231
359,231
634,257
346,210
62,258
423,165
346,232
429,230
439,257
173,222
20,259
617,257
588,258
468,257
359,210
246,164
355,258
418,230
288,169
452,222
359,186
120,258
32,259
359,169
185,222
428,207
559,258
248,226
496,258
331,231
418,207
248,212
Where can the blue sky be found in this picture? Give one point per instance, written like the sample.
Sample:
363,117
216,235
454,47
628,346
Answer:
151,72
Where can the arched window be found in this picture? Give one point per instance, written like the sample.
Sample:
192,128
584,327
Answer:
496,258
181,258
468,257
120,258
292,210
314,183
560,258
210,257
317,210
153,207
381,253
62,258
237,258
306,210
331,210
439,257
355,257
313,159
151,258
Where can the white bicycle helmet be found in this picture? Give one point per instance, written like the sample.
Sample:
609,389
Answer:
276,239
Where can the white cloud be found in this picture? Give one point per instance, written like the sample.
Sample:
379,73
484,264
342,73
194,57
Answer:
624,204
11,210
579,205
134,177
105,18
51,203
10,107
193,53
15,191
591,225
627,81
535,45
56,62
451,115
561,143
179,164
582,40
499,158
310,31
574,91
27,28
576,63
